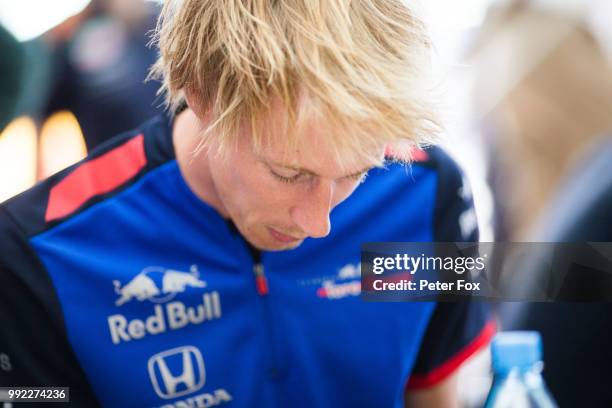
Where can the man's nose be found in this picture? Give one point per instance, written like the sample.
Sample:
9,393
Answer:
312,213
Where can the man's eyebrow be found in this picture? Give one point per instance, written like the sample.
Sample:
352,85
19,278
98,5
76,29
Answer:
312,173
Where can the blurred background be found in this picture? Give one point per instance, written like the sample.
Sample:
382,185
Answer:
525,94
75,73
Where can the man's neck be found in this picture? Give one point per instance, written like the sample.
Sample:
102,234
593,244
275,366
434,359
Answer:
186,135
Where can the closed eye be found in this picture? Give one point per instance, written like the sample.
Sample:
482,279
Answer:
288,180
360,177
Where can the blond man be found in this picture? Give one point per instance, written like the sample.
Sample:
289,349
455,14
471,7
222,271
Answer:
196,261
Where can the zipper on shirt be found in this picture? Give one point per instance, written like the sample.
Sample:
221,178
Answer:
261,285
263,290
261,282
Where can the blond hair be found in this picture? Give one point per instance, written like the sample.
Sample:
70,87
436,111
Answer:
356,66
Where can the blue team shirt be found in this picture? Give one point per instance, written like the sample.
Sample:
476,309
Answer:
161,301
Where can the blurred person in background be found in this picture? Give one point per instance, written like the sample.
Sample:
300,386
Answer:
99,62
545,92
545,95
17,135
11,79
192,260
82,82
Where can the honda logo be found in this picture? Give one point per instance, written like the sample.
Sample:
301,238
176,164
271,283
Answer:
177,372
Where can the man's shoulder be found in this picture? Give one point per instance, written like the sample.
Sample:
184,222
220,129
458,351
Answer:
454,214
428,185
433,158
106,171
430,165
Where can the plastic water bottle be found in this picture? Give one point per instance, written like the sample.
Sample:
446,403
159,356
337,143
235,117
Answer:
517,367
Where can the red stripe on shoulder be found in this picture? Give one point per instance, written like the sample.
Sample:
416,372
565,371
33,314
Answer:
419,155
444,370
413,154
97,176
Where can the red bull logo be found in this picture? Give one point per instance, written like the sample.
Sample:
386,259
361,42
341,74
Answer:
160,285
144,287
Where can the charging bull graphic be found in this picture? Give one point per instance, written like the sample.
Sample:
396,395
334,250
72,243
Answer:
146,285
